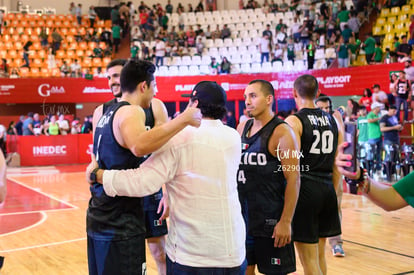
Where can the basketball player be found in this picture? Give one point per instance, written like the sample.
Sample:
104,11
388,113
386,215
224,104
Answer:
324,103
199,168
115,226
156,114
316,216
268,183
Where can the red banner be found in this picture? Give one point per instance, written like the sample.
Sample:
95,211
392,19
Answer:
334,82
52,150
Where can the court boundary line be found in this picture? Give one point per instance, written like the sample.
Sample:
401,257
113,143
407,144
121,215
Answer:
380,249
42,220
42,245
45,194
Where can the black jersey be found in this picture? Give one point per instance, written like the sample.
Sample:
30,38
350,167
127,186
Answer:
261,183
319,141
119,217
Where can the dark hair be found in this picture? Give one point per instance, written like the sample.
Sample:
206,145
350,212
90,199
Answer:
362,107
368,90
306,86
214,111
265,86
116,62
134,72
392,107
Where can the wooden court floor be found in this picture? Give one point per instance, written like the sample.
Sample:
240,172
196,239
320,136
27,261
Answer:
42,229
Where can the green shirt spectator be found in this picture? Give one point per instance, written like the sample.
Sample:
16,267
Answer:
343,51
362,123
378,54
343,16
373,127
369,45
116,31
134,51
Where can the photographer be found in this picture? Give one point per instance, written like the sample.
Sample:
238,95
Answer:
388,197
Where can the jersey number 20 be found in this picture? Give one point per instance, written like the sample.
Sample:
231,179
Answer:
323,142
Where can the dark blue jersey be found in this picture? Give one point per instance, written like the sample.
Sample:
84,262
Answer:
261,183
319,141
119,217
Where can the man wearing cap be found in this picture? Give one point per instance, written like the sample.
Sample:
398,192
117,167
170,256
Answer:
374,132
199,167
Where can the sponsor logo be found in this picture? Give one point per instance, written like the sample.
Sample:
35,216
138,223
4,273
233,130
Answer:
93,90
184,88
334,81
45,151
278,85
45,90
6,87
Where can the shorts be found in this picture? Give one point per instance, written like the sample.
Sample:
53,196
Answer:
260,251
154,227
316,215
178,269
107,257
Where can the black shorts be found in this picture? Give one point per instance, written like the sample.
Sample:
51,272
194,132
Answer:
117,257
316,215
260,251
154,228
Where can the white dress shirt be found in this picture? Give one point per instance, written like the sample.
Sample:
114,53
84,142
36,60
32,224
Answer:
199,167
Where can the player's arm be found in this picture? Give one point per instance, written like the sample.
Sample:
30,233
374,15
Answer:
97,114
158,169
336,174
283,139
3,179
385,128
240,127
160,112
129,129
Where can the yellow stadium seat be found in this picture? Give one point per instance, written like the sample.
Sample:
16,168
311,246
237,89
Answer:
392,20
34,72
377,30
24,72
45,72
380,21
385,12
388,28
402,17
395,11
406,9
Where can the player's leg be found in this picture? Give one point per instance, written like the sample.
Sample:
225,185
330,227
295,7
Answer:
321,255
156,246
309,257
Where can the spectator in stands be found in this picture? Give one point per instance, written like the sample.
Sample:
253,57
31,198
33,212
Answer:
290,50
402,95
208,33
63,125
92,16
277,54
230,119
225,66
72,9
366,99
190,8
354,24
4,68
78,13
320,24
379,96
37,125
19,126
404,49
44,37
411,30
390,126
75,69
28,125
343,17
267,31
64,69
305,32
347,33
310,50
124,18
374,132
409,70
281,38
200,6
362,124
180,7
191,37
115,16
377,58
26,52
134,49
97,51
159,52
283,7
214,66
87,125
324,9
265,48
225,32
181,19
343,53
145,54
200,46
116,36
14,73
351,110
393,83
169,7
354,48
369,48
56,40
52,127
11,130
51,61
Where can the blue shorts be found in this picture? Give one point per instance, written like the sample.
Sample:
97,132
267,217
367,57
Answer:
125,257
153,227
178,269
